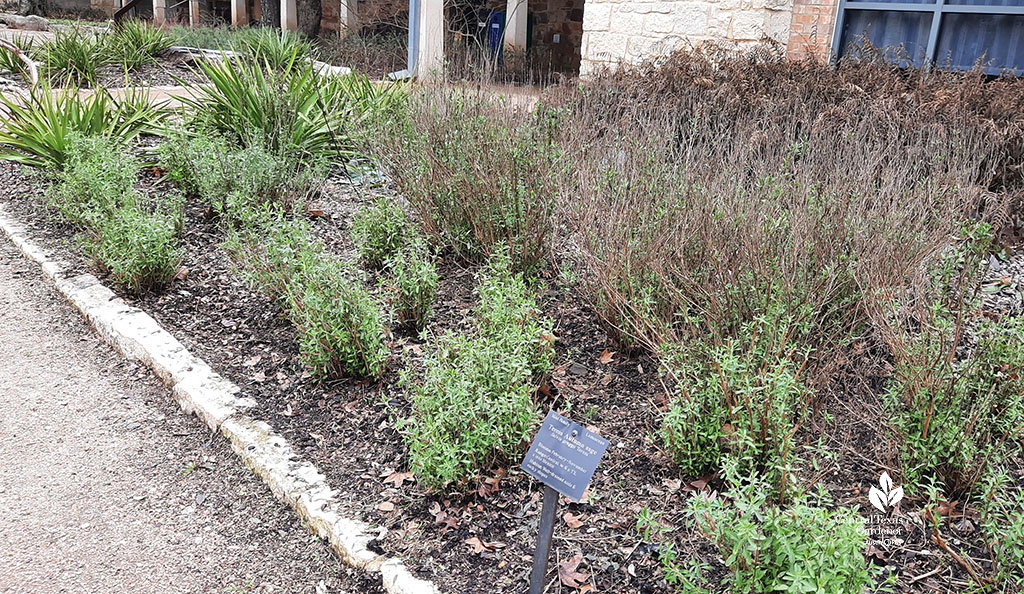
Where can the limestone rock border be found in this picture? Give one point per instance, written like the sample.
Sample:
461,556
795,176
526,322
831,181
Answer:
202,391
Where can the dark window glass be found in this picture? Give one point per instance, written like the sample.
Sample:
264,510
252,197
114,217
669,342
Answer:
997,40
902,36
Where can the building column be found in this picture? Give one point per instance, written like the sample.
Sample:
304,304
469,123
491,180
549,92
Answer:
348,17
289,15
159,12
430,46
515,25
193,12
239,12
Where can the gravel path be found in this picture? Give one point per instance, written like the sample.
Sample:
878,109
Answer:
105,486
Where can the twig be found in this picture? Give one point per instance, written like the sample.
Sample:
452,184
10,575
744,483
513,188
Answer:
925,575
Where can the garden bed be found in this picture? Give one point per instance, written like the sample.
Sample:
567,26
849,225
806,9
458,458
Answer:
480,538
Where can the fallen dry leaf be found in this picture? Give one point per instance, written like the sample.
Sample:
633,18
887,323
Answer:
606,356
568,575
478,545
182,273
572,521
386,506
398,478
489,486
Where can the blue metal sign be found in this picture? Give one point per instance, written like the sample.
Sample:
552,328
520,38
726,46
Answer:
564,455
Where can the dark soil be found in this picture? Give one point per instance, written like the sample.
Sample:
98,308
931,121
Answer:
480,537
168,69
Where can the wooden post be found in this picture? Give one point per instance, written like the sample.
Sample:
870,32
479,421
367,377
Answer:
193,12
515,25
430,49
239,12
348,17
289,15
159,12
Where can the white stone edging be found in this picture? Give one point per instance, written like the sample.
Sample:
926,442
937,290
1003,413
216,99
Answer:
202,391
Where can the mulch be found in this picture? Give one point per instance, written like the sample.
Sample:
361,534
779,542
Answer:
479,537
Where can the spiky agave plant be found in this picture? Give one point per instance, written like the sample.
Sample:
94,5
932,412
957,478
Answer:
38,128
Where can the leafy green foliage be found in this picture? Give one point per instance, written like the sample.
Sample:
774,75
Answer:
11,62
95,191
295,111
341,329
96,181
799,548
74,55
957,393
236,180
1003,526
473,404
414,279
134,43
139,249
743,398
379,231
480,177
279,49
37,131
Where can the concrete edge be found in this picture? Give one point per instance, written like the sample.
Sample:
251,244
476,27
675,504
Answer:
199,390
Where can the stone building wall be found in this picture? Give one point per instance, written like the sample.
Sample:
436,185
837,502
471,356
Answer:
630,31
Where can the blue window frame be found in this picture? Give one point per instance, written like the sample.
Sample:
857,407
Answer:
954,34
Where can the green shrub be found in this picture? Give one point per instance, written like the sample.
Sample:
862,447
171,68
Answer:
798,548
97,180
234,180
379,231
1002,523
226,37
414,279
341,331
480,175
139,249
279,49
956,396
74,55
743,398
340,327
38,131
473,404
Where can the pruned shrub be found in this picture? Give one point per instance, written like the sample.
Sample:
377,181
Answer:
97,180
379,231
139,249
956,397
479,174
236,180
473,403
798,548
341,329
414,282
744,398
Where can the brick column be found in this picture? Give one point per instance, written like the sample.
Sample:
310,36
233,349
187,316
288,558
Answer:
810,32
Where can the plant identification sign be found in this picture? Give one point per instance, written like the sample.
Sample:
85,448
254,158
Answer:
564,455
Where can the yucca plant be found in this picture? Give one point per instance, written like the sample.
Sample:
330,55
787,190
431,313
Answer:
278,49
135,43
294,110
74,55
38,129
10,61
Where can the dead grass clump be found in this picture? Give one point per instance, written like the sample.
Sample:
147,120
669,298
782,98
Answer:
718,187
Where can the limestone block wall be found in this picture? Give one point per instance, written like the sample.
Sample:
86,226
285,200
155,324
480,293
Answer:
630,31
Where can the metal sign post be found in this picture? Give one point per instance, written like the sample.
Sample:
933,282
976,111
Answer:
563,456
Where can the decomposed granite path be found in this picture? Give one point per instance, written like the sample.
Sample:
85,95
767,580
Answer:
106,486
